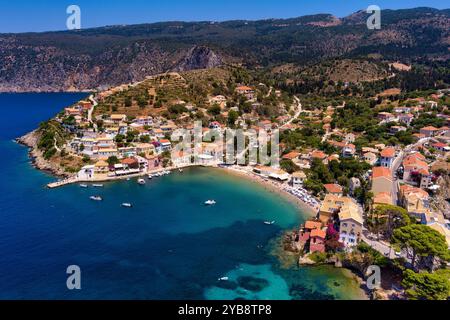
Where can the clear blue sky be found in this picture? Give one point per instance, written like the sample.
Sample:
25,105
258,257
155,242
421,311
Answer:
44,15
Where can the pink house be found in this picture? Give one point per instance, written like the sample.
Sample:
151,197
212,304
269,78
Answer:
317,242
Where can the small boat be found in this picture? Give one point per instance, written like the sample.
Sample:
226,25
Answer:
224,279
97,185
83,185
180,170
127,205
150,176
96,198
269,223
141,181
210,202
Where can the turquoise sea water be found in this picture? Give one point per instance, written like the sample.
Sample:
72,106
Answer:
168,246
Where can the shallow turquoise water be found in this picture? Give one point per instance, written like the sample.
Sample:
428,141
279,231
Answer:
168,246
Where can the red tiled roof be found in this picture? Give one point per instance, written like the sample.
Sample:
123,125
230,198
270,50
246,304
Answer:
318,154
430,128
313,225
318,233
381,172
291,155
388,153
333,188
129,161
439,145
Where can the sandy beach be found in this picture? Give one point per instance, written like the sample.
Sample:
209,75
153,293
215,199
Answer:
273,187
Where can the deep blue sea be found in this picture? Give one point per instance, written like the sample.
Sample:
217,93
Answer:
168,246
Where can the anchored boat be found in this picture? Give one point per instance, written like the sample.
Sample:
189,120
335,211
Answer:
96,198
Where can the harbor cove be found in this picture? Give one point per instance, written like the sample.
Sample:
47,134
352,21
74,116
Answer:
168,245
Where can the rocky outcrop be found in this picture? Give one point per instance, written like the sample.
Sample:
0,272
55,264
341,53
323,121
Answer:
30,140
199,57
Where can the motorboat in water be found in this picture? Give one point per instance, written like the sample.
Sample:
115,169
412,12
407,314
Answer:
96,198
224,279
97,185
83,185
210,202
141,181
269,223
127,205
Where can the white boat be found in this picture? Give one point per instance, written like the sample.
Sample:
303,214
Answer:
141,181
210,202
150,176
97,185
83,185
180,170
224,279
96,198
127,205
269,223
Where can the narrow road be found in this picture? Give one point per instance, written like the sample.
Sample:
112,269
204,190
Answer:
299,111
91,110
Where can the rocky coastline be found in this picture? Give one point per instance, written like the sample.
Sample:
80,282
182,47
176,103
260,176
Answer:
30,140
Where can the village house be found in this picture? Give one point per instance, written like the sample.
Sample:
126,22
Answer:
349,151
166,145
106,153
415,201
317,154
387,157
382,181
293,155
334,189
386,117
143,121
298,178
330,206
396,129
351,224
317,241
118,118
406,118
429,131
220,100
441,147
246,91
415,170
371,158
